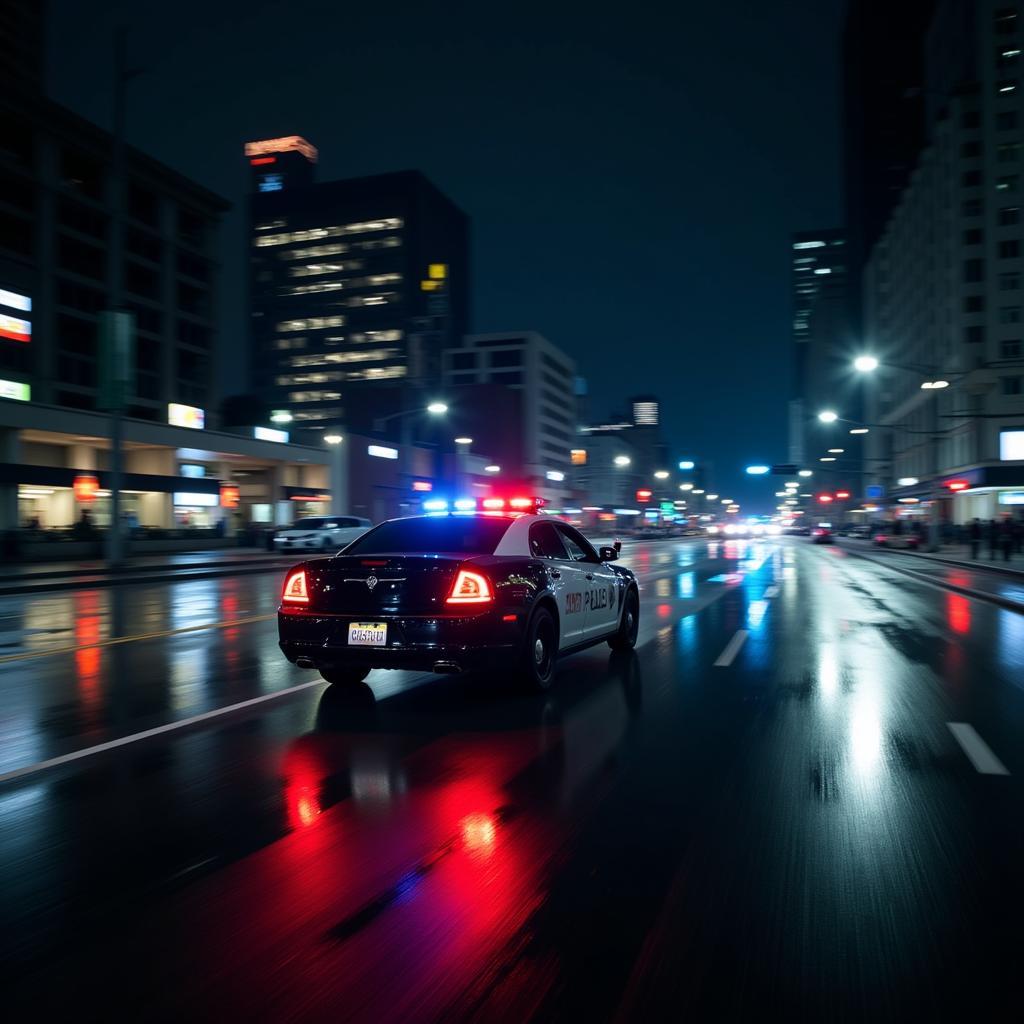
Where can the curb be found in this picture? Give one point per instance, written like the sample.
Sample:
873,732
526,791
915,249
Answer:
978,595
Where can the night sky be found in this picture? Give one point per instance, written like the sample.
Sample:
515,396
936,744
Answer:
632,171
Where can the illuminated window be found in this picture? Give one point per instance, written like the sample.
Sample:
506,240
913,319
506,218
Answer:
313,289
377,336
313,396
286,343
808,245
314,251
313,323
271,225
332,231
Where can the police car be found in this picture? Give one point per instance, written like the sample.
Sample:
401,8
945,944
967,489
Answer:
492,584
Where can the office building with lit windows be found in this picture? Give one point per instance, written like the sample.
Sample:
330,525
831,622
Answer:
944,285
356,287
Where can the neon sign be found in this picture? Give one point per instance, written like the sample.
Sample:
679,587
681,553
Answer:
15,328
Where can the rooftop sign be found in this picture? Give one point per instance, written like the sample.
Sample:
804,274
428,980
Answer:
286,144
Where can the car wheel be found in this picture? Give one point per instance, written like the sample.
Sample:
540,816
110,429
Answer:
344,676
540,651
629,624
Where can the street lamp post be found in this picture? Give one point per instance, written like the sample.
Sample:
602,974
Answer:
339,473
462,446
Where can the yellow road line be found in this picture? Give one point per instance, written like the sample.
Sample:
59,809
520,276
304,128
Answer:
114,640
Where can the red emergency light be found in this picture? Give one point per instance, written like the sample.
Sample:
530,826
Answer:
958,485
842,495
643,495
824,499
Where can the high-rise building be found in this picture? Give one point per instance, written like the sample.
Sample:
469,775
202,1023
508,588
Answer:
944,290
819,274
514,394
356,287
884,100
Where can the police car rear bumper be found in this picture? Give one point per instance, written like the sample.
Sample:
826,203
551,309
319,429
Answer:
442,644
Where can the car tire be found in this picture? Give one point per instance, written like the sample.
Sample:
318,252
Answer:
540,652
629,625
344,676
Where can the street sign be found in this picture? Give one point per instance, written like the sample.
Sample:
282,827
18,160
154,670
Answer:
117,358
874,491
785,469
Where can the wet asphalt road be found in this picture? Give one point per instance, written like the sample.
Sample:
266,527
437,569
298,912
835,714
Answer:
764,810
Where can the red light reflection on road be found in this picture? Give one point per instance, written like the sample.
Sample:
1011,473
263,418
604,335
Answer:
478,833
958,613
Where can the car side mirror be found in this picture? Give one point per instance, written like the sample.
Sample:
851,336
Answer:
618,545
608,554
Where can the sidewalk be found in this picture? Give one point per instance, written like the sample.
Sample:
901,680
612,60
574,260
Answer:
989,581
38,577
956,554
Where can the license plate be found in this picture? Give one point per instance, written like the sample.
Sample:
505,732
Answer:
368,634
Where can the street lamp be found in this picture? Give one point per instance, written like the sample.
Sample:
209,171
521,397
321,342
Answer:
836,451
281,416
934,385
806,472
492,469
865,364
333,438
661,474
437,408
622,460
758,470
828,416
687,464
860,430
686,487
464,440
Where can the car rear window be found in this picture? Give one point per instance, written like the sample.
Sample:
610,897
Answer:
310,523
469,535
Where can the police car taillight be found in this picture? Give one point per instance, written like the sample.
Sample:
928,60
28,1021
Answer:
295,588
471,588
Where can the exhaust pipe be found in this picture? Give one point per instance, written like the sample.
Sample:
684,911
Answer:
304,662
447,667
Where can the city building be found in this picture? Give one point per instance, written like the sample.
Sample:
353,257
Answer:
356,288
57,208
884,100
944,305
821,340
514,393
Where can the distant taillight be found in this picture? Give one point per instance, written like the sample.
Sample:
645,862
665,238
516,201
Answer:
470,588
295,588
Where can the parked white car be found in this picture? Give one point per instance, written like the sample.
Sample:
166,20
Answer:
321,533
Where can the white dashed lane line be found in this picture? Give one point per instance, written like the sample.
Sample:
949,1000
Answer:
732,648
977,750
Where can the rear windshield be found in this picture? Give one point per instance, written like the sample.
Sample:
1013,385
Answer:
468,535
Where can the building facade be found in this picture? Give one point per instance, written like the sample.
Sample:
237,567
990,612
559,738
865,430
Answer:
514,394
57,207
356,288
944,302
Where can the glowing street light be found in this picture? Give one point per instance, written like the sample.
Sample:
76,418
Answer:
828,416
687,464
686,487
437,408
806,472
758,470
934,385
661,474
333,438
865,364
836,451
622,460
281,416
464,440
492,469
712,497
860,430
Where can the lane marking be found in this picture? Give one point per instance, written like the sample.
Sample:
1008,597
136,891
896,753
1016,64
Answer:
977,750
138,737
732,648
114,640
772,591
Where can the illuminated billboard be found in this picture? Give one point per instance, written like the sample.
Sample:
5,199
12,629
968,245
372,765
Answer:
286,144
15,390
15,329
1011,445
185,416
